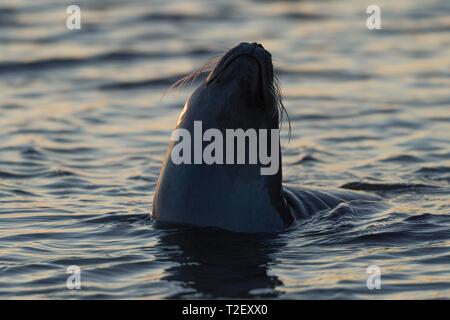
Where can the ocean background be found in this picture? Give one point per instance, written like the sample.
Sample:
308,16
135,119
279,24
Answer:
86,116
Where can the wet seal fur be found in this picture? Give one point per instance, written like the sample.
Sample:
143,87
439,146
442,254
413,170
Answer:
240,91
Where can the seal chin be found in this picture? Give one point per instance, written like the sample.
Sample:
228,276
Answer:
250,64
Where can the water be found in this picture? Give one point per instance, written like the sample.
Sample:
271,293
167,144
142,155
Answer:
84,128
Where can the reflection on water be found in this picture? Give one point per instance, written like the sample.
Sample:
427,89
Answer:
85,118
213,264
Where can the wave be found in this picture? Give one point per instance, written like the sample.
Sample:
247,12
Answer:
337,74
367,186
109,57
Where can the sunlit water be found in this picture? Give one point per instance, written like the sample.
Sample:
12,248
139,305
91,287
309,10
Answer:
84,128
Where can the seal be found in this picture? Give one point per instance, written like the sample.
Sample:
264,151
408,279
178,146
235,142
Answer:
240,92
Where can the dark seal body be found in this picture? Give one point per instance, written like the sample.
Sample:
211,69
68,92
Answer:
239,93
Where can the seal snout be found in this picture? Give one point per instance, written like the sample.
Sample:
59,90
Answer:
254,46
253,50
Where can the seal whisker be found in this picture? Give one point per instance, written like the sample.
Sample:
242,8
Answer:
191,77
275,91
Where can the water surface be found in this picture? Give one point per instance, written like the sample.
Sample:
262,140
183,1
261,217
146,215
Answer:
84,129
